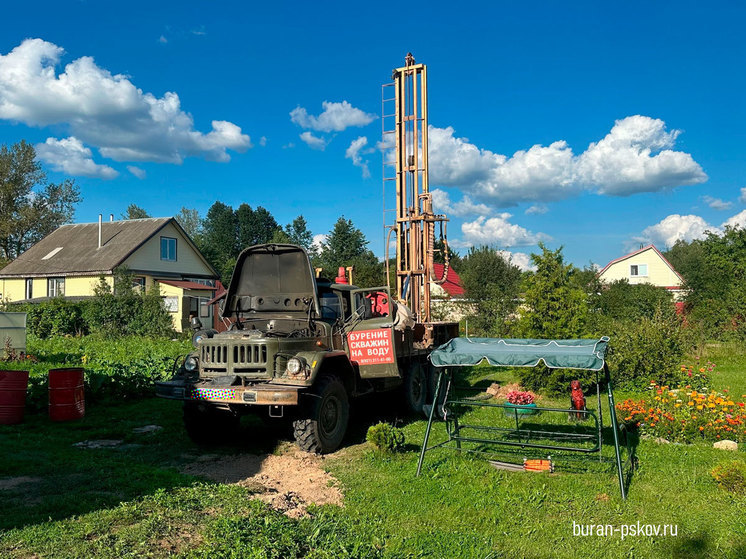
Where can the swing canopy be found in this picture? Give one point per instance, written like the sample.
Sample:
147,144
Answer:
500,352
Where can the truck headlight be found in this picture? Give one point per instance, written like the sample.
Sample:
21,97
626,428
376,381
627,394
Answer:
294,366
191,363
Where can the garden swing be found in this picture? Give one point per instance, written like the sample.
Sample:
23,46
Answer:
582,354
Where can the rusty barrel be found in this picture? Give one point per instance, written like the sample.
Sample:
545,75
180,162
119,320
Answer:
13,385
66,394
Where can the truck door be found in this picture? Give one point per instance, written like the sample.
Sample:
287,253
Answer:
370,342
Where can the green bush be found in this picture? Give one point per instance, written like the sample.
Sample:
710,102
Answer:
124,311
731,476
646,349
55,317
386,437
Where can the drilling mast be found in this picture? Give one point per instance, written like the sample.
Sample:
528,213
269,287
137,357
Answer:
415,221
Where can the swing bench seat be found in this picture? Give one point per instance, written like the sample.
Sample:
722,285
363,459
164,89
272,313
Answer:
524,431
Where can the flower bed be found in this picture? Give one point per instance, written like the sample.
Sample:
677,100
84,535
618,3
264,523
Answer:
687,414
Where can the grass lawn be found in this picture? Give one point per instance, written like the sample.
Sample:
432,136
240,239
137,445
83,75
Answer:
132,501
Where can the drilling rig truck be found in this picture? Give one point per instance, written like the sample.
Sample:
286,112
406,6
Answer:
301,348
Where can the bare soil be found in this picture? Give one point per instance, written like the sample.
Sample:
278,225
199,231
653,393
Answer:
288,482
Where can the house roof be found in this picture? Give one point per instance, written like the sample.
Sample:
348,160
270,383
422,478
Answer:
73,249
643,249
188,285
452,285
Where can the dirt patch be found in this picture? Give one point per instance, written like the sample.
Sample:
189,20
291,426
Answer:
501,390
12,482
288,482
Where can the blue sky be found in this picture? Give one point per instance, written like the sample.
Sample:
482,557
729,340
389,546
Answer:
195,98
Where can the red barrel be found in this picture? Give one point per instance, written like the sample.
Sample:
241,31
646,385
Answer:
13,386
66,394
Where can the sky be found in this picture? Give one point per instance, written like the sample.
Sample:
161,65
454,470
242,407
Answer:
596,126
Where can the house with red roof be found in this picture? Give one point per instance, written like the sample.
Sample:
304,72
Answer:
448,298
646,265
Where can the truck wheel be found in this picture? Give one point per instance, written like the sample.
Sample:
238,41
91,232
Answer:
206,425
324,421
432,381
415,388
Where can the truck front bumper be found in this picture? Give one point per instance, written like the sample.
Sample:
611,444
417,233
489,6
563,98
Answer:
260,394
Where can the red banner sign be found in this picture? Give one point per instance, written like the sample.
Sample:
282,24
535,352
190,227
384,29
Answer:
371,347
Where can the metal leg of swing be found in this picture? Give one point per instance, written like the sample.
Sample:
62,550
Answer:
600,419
430,421
615,429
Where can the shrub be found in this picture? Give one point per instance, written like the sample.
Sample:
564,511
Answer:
731,476
123,311
386,437
645,349
55,317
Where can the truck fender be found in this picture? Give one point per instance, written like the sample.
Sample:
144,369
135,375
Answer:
333,362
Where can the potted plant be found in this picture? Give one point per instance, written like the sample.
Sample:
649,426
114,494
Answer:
520,402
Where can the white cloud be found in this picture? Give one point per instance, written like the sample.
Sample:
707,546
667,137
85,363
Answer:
334,118
263,141
318,242
717,203
520,259
162,40
635,156
537,209
353,153
314,142
465,207
139,173
497,231
105,110
742,197
673,228
71,157
737,221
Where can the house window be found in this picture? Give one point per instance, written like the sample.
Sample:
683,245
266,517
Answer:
55,287
638,270
168,249
138,284
29,288
204,308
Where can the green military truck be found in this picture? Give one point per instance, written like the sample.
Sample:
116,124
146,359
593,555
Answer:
301,349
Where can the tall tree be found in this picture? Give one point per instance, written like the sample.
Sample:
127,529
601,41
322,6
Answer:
555,306
492,284
30,207
135,212
219,238
245,226
299,233
265,225
346,245
190,221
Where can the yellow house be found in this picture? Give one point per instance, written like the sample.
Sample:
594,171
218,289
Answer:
69,262
646,265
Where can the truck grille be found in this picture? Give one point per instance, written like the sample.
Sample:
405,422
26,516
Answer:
234,358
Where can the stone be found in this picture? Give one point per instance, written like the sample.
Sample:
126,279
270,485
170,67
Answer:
101,443
493,389
726,445
147,429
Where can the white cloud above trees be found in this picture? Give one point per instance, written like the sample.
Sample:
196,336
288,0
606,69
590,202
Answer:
70,156
354,152
105,110
636,156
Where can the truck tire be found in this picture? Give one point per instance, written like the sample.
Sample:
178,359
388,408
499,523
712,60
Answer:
415,388
207,426
432,381
323,423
